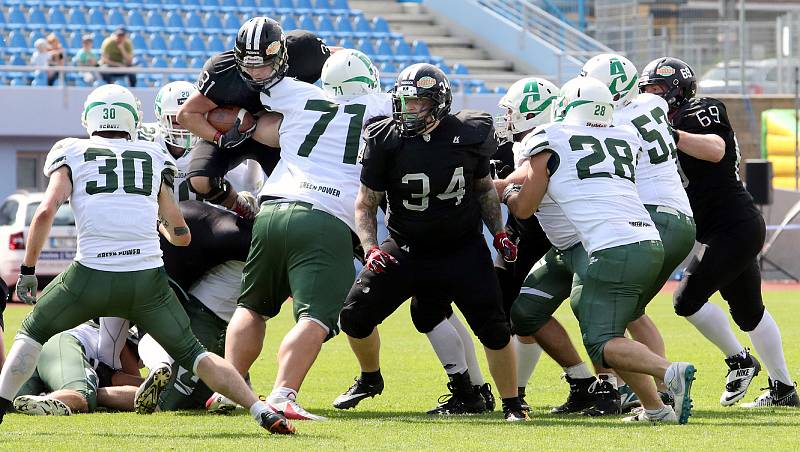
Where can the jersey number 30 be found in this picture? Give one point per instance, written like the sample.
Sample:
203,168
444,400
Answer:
129,172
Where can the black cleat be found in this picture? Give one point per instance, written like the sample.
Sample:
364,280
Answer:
276,423
580,397
513,410
521,395
359,391
778,394
463,398
488,398
607,399
741,372
5,407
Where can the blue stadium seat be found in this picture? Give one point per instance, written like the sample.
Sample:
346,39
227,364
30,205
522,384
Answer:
444,67
179,62
325,24
77,20
2,19
191,3
97,20
159,62
175,22
194,23
343,25
176,43
383,47
388,68
138,41
213,5
365,45
215,44
197,44
401,47
97,43
420,49
116,19
135,20
347,43
230,42
16,18
322,4
379,25
232,22
213,23
460,69
157,44
250,4
288,23
17,41
154,21
307,23
74,41
362,27
286,4
304,4
33,36
197,63
17,60
56,16
36,17
340,4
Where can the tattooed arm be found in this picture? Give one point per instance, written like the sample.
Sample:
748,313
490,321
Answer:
367,203
171,223
489,204
58,190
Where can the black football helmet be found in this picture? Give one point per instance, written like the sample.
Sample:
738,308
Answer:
424,81
677,78
260,43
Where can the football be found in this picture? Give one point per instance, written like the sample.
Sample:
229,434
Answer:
222,118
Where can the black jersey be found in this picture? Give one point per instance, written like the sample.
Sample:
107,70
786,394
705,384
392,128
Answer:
429,184
221,83
715,190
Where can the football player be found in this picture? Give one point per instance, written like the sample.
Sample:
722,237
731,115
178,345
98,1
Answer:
236,77
731,231
5,295
119,188
433,168
313,189
657,182
588,168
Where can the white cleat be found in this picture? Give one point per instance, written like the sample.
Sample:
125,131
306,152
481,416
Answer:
741,372
146,399
666,415
219,404
41,406
680,384
290,409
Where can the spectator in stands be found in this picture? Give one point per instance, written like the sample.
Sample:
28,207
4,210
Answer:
117,51
41,56
57,53
86,57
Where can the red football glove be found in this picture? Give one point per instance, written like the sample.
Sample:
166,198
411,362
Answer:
505,247
378,261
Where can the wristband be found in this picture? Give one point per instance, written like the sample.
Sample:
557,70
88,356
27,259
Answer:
25,270
509,190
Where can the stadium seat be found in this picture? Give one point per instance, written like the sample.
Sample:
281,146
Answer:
33,36
197,63
365,45
340,4
250,4
97,43
380,27
388,68
116,19
56,17
382,47
154,21
362,27
175,22
343,25
191,3
307,23
266,4
286,4
97,20
460,69
16,18
158,62
216,45
322,4
401,48
194,23
347,43
445,68
231,22
138,41
325,25
213,23
135,20
77,20
17,60
179,62
157,44
17,41
36,17
176,43
420,49
288,23
75,41
230,42
215,5
304,4
197,44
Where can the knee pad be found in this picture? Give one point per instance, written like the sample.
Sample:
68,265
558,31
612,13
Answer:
747,316
219,188
353,324
426,316
494,335
685,305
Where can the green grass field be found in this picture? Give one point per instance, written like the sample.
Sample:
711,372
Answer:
414,380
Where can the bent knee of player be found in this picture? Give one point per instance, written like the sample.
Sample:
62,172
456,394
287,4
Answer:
595,347
747,317
200,184
353,324
426,317
522,321
684,303
495,335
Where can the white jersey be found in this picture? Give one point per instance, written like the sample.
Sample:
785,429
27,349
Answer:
320,142
559,231
657,177
248,176
219,288
115,186
88,335
593,182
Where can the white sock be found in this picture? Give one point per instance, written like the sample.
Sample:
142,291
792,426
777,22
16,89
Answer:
257,408
475,374
448,347
152,353
19,365
283,392
578,371
712,322
766,338
611,378
527,358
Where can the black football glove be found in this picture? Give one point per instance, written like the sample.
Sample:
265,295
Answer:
499,170
234,137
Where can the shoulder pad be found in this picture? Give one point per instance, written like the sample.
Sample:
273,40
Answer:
383,133
222,62
536,142
473,126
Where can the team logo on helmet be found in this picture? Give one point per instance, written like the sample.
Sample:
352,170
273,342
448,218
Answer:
426,82
665,71
274,48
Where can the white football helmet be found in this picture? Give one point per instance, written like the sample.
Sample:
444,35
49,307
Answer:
168,100
584,101
618,73
527,104
111,108
349,73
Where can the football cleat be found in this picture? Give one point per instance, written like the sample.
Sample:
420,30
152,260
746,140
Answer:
580,398
521,394
275,423
607,399
778,394
146,399
290,409
359,391
219,404
641,415
742,371
488,398
5,406
681,387
41,406
463,398
513,411
667,398
628,399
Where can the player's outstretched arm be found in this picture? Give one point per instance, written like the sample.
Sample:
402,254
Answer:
709,147
367,203
268,129
523,204
58,190
170,219
192,115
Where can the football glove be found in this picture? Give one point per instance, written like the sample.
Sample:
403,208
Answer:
506,247
234,137
378,260
26,288
499,170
